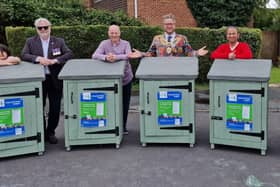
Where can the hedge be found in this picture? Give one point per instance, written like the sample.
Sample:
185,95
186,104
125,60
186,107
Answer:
83,40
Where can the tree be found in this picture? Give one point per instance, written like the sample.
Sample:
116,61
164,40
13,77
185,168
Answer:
218,13
261,3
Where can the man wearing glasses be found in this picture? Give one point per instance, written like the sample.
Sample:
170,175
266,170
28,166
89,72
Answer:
169,43
50,52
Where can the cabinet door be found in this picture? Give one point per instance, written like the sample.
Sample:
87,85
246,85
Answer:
18,117
237,111
94,104
169,108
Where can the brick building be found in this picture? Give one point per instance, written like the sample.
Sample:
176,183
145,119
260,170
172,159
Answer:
148,11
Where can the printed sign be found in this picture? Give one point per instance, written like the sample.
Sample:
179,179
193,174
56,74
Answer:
11,117
169,108
239,110
93,109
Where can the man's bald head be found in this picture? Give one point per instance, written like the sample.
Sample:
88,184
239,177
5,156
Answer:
114,28
114,33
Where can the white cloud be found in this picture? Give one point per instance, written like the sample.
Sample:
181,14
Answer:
271,4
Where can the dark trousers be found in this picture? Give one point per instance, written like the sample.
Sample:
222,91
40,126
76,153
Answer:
54,95
126,100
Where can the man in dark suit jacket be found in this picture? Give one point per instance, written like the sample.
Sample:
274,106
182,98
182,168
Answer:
50,52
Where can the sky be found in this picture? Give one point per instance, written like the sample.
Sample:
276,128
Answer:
271,4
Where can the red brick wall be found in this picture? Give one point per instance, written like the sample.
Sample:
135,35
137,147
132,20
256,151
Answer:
87,3
151,11
130,8
112,5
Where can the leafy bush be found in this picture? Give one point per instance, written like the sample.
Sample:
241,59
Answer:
83,40
17,13
267,19
59,3
218,13
23,13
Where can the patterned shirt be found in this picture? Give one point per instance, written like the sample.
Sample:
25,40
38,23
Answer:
179,46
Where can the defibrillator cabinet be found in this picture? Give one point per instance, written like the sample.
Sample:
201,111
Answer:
21,110
167,90
92,102
239,102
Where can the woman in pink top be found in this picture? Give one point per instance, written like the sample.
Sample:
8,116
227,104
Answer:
233,49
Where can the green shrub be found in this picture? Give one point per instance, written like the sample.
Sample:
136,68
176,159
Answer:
59,3
23,13
218,13
17,13
267,19
83,40
2,35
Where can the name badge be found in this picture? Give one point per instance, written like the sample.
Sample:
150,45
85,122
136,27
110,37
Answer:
56,51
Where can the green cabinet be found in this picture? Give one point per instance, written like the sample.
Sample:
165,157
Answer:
21,110
92,102
167,99
238,103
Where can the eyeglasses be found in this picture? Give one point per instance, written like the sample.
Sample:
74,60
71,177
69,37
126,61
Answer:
43,27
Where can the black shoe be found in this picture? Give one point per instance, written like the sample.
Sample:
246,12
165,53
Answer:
52,139
125,132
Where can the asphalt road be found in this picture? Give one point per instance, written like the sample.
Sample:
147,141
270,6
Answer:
157,165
